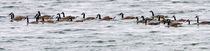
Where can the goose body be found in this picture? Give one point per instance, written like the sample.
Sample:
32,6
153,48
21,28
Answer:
182,20
161,16
67,17
148,18
46,16
79,21
127,17
62,20
17,18
46,20
174,25
203,22
87,18
49,21
33,22
154,23
107,18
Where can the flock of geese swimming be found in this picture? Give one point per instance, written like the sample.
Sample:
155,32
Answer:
154,20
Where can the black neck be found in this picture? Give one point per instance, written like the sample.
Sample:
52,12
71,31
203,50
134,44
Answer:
39,13
58,19
63,14
99,16
83,15
152,14
27,20
122,15
12,15
197,19
158,18
142,17
168,23
174,18
188,21
137,19
59,15
37,18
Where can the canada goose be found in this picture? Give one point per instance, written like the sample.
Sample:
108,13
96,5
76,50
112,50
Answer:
49,21
39,13
127,17
154,23
32,22
104,18
203,22
180,20
67,17
17,18
44,16
88,18
156,16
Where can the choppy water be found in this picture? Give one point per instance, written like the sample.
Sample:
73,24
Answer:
118,35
